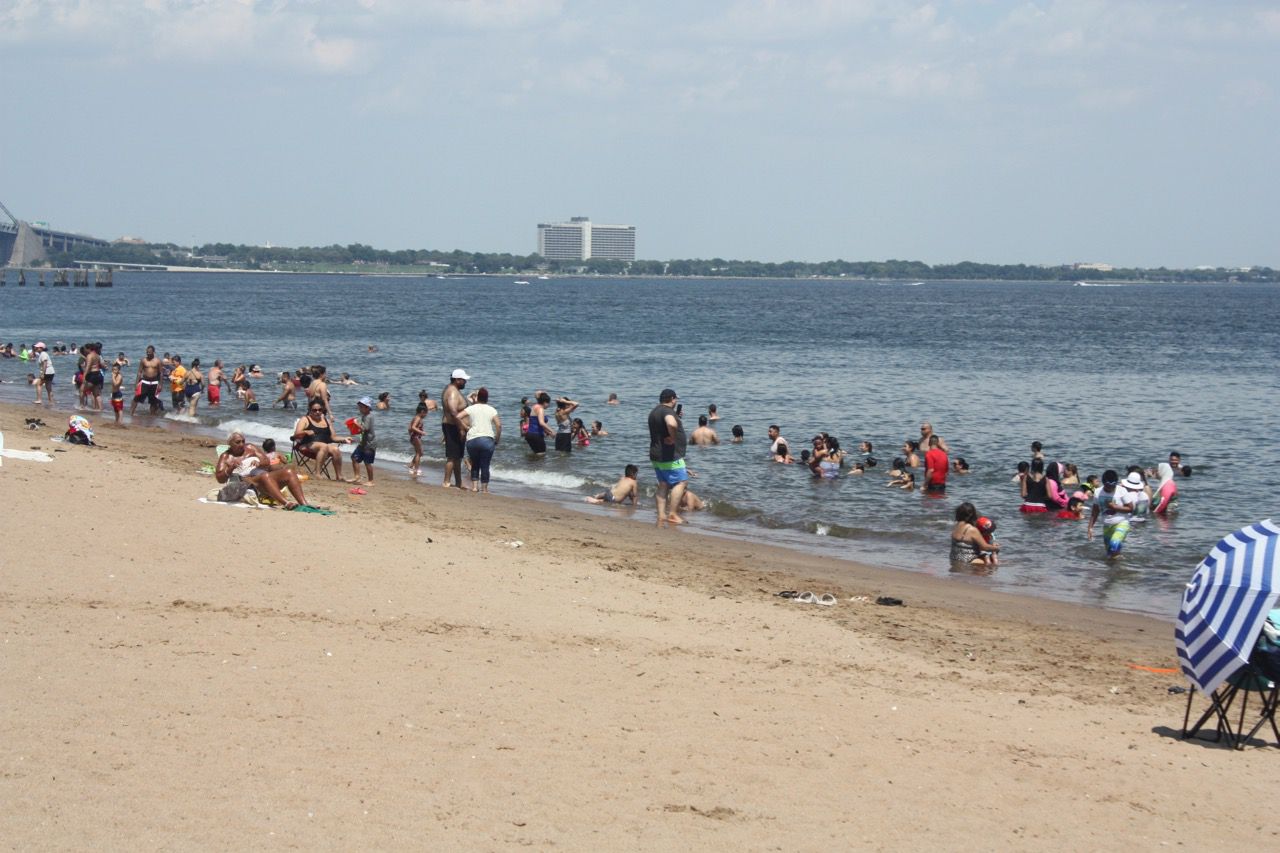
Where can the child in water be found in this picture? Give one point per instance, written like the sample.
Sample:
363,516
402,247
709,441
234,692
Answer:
906,482
117,392
416,432
987,527
1075,507
623,490
580,435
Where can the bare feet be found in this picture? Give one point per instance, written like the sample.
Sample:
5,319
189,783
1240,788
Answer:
675,519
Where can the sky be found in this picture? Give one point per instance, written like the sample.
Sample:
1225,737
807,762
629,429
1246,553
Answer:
1130,133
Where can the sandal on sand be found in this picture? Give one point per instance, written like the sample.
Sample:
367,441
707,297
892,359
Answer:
806,598
827,600
889,601
357,491
788,593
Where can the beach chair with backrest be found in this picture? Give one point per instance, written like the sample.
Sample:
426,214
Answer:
303,462
1260,675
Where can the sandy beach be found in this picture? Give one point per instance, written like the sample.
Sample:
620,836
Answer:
401,675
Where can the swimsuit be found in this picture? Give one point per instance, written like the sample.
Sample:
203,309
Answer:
564,436
963,551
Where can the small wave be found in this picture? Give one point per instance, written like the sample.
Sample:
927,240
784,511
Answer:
257,429
1098,284
540,478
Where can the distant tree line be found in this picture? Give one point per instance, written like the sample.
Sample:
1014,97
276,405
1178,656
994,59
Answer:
358,255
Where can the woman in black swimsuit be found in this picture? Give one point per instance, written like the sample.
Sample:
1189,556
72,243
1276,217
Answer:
313,437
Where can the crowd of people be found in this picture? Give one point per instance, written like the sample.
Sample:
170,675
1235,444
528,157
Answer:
471,429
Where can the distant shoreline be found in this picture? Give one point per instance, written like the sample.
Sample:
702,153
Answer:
620,276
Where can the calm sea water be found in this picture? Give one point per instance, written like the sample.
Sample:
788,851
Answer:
1104,376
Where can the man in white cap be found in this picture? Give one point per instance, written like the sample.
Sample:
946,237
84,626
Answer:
44,370
451,404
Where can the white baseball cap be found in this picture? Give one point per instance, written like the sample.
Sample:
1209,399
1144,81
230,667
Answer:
460,374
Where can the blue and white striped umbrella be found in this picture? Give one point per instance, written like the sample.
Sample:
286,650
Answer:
1226,603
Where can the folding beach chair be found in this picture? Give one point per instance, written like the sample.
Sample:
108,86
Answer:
1260,675
308,463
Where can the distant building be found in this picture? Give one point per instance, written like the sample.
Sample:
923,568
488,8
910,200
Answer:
1095,267
580,239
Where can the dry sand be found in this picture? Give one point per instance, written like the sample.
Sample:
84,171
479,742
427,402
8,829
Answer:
181,675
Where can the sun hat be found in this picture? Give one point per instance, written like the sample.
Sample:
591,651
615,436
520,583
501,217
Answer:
366,402
459,374
1133,482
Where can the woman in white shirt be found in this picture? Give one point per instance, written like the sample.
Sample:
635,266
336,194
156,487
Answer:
484,431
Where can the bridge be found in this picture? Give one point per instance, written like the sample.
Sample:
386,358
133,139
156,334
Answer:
23,244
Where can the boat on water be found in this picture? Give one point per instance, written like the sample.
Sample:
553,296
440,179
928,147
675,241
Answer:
544,278
521,281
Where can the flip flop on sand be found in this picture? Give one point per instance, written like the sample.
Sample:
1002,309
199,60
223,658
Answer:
889,601
806,597
788,593
357,491
827,600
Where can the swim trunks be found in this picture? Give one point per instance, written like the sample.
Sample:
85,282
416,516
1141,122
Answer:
564,442
363,454
935,488
147,389
606,496
671,473
117,404
453,444
93,378
1114,535
252,407
215,395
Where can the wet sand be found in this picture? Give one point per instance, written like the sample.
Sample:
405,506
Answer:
176,674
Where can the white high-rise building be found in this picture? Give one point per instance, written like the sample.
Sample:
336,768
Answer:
580,239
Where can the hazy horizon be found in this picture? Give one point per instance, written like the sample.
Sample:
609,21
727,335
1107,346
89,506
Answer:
1128,133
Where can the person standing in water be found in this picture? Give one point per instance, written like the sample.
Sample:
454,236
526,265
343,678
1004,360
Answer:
666,452
453,402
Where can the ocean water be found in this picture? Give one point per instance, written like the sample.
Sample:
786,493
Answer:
1104,376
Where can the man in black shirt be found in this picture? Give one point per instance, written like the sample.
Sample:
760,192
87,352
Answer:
666,452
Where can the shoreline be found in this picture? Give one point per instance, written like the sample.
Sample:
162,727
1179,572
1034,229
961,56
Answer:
823,564
179,446
622,277
399,673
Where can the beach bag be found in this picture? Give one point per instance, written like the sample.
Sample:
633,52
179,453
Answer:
234,491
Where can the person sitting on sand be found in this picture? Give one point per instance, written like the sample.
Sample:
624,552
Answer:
249,463
314,438
625,489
